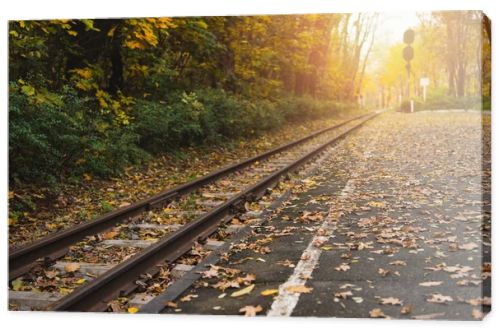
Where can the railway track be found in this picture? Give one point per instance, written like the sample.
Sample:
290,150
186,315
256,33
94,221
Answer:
88,266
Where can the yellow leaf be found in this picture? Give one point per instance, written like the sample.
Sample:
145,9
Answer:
85,73
11,194
133,45
244,291
376,204
72,32
270,292
17,284
110,235
28,90
81,281
298,289
71,267
132,310
111,31
51,226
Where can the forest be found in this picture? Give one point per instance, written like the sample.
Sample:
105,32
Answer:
453,50
90,97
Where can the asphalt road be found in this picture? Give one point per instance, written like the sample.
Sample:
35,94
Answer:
396,224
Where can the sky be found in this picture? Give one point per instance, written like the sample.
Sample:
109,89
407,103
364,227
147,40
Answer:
390,29
392,25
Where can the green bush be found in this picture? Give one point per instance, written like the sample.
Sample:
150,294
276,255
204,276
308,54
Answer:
48,141
204,116
297,108
52,141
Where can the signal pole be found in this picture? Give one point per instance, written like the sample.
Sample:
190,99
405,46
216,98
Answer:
408,38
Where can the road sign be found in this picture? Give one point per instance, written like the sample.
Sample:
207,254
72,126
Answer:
424,82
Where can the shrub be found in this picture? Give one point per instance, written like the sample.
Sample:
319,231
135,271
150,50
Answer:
205,116
298,108
61,135
48,141
439,102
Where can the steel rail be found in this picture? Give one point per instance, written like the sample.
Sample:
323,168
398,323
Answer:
95,295
55,245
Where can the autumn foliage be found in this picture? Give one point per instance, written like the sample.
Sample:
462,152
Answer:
92,96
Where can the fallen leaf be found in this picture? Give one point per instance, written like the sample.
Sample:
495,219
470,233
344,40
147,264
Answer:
187,298
224,284
466,282
390,301
320,241
469,246
80,281
171,305
51,273
406,309
17,284
430,283
251,311
286,263
270,292
212,272
383,272
244,291
479,301
377,313
374,204
311,217
71,267
343,267
110,235
132,310
477,314
398,263
298,289
65,291
439,298
343,294
357,300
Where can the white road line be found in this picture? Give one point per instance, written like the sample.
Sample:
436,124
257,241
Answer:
285,302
